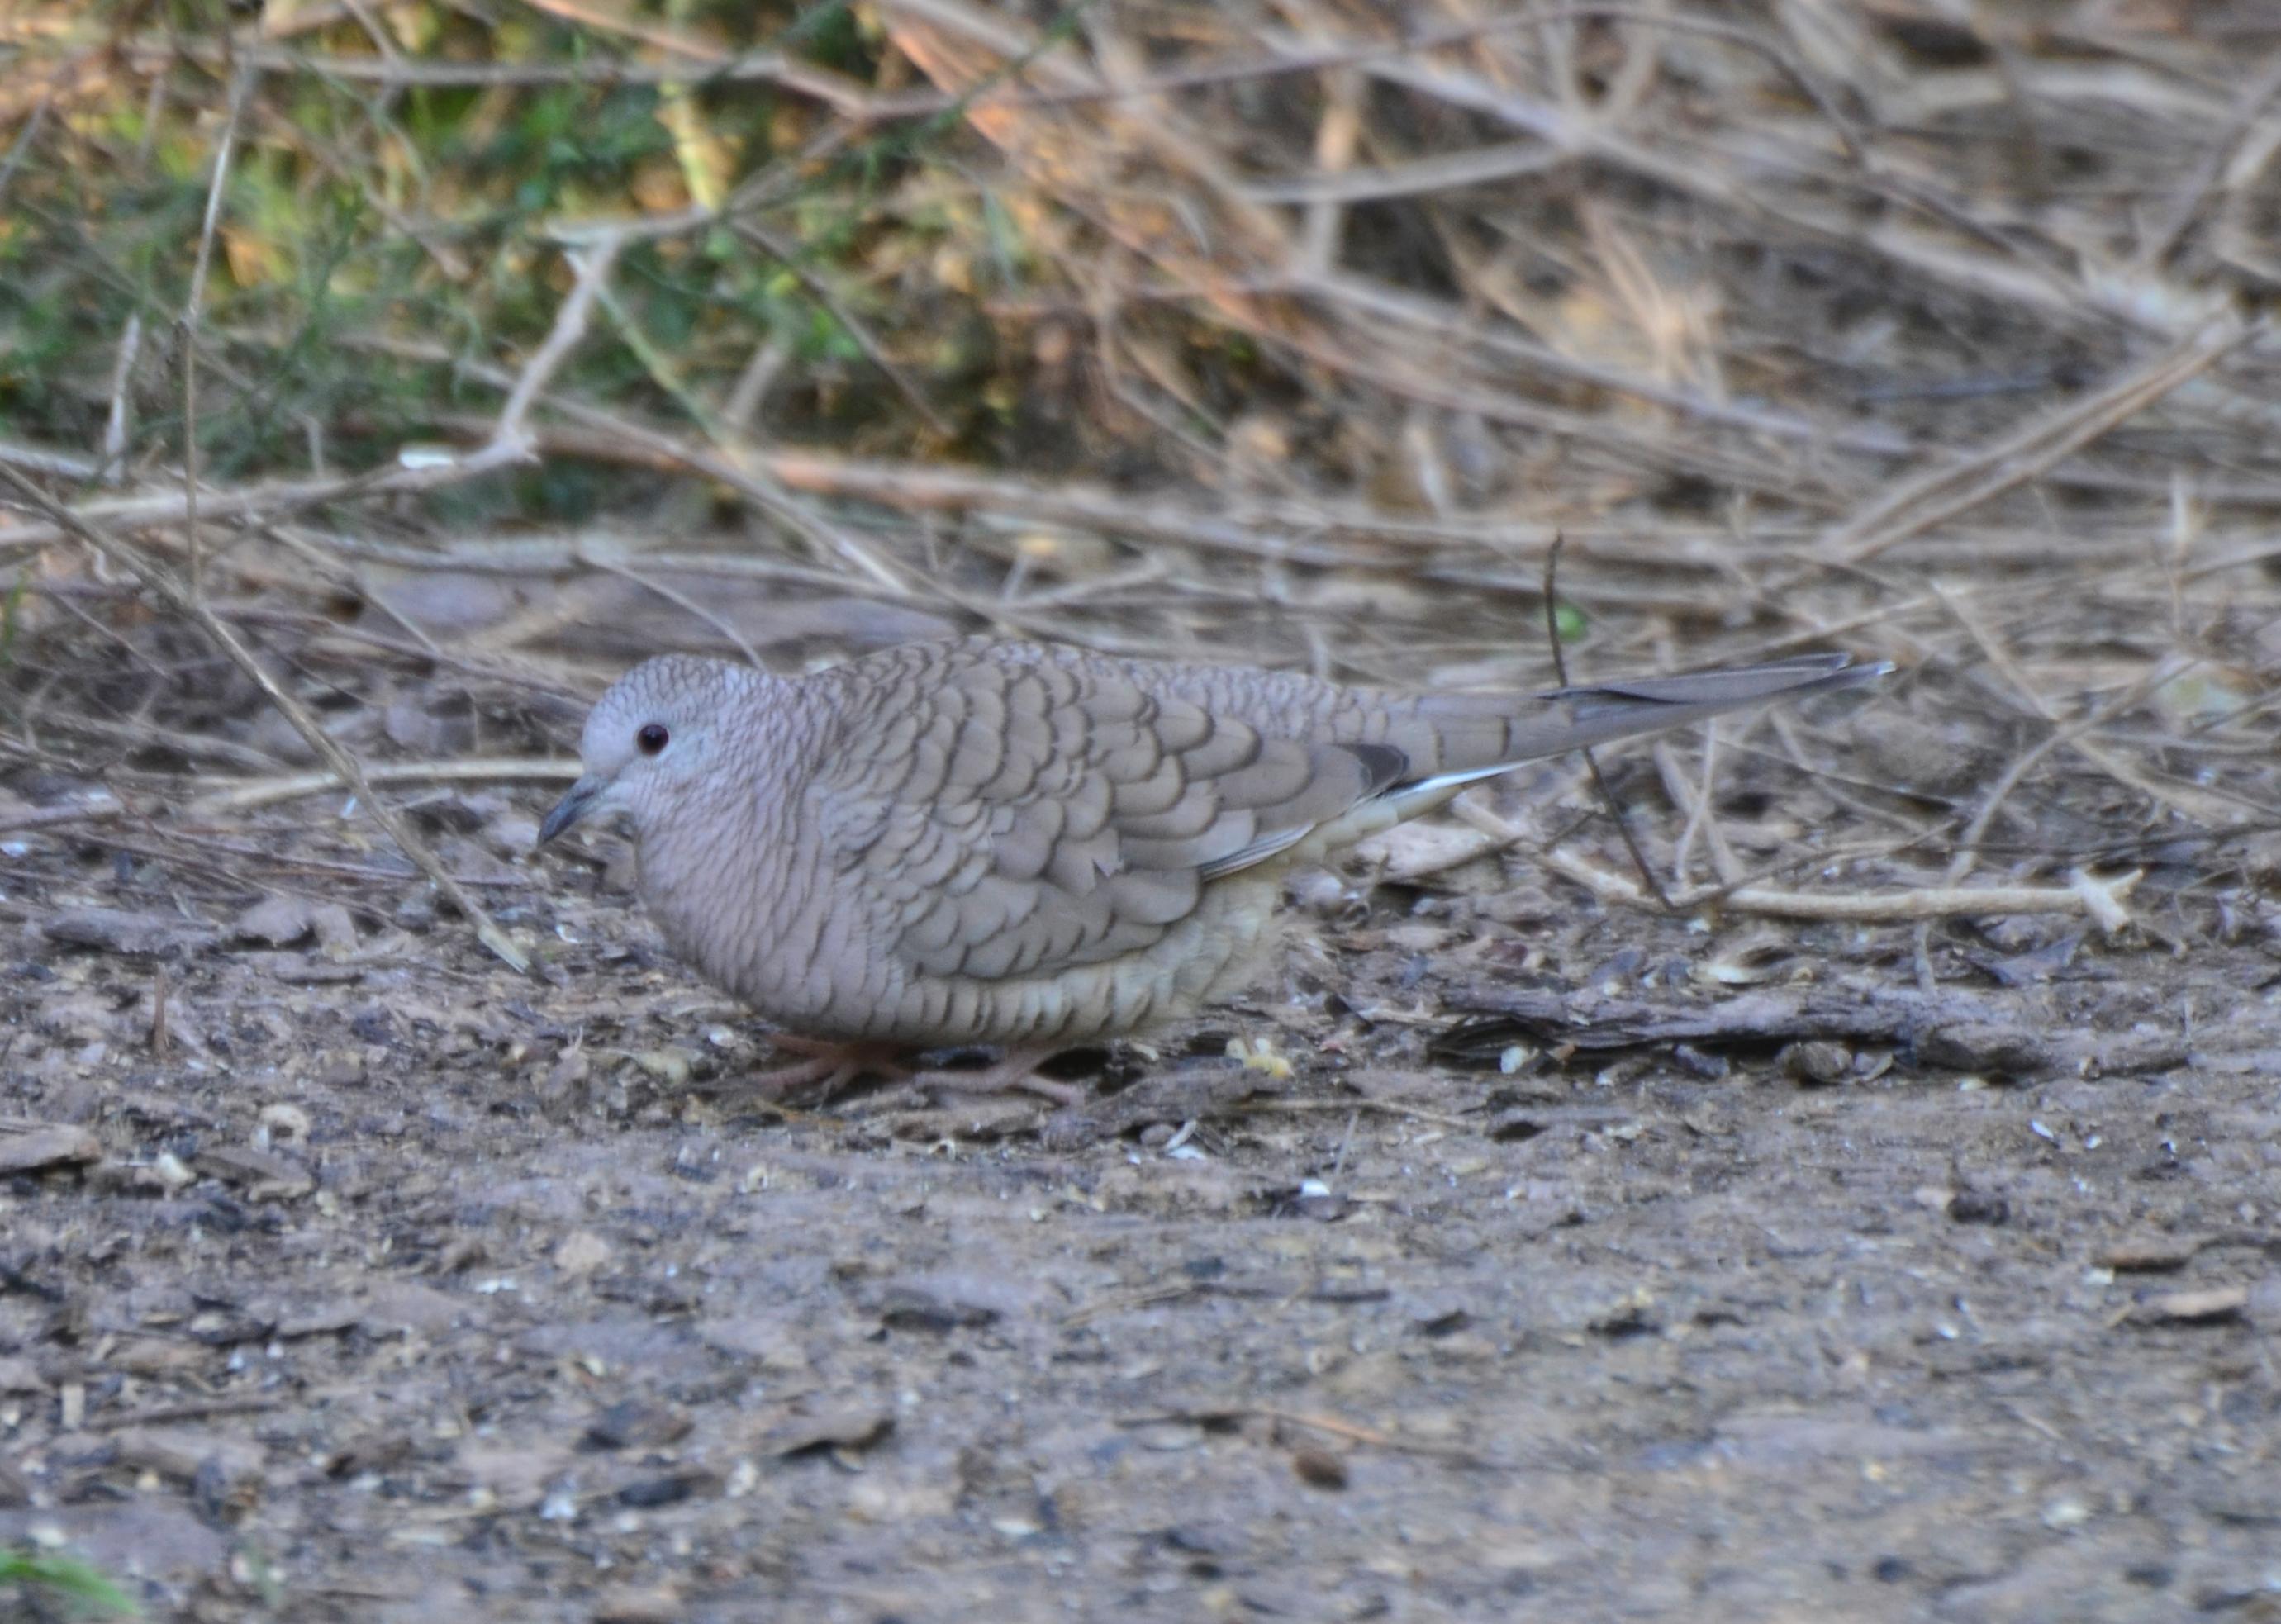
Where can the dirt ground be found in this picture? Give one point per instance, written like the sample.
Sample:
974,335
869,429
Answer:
344,1274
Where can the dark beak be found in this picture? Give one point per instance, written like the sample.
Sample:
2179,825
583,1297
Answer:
570,809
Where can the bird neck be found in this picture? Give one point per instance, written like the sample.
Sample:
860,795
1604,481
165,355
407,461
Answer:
713,866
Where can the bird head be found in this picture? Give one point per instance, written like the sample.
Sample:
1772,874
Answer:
649,741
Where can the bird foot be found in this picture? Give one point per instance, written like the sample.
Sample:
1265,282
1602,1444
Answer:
1017,1069
829,1067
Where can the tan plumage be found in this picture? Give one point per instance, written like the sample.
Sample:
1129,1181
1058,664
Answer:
970,842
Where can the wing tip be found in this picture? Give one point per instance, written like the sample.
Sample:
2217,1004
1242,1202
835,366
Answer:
1846,670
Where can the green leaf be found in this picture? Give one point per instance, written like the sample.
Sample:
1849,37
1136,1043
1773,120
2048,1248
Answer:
83,1588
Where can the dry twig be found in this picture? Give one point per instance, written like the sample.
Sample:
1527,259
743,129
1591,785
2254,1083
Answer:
345,766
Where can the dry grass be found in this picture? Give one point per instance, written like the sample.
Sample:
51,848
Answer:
1294,332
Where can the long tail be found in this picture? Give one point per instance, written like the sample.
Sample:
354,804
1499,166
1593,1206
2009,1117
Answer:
1476,745
1602,711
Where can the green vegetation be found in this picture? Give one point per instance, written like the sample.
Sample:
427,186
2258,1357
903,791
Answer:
80,1586
375,237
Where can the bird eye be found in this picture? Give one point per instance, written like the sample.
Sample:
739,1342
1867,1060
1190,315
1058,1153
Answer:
652,738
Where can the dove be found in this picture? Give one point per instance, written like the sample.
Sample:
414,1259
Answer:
1030,846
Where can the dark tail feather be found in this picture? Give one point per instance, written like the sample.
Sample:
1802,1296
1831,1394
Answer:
1477,735
1601,711
1589,714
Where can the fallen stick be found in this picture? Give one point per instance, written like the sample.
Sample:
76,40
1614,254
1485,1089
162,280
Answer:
344,766
2100,898
245,794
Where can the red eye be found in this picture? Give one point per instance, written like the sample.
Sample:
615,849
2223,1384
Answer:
652,738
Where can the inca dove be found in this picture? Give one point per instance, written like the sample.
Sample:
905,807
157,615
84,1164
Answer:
1011,844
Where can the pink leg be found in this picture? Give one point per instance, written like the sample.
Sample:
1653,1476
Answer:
829,1067
1017,1069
